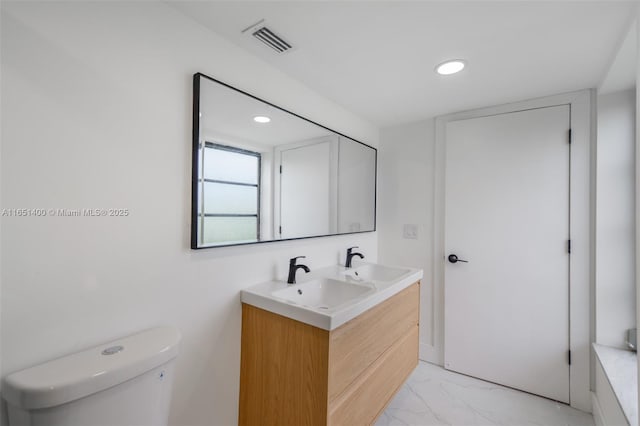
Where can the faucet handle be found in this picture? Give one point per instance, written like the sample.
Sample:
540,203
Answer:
351,248
292,261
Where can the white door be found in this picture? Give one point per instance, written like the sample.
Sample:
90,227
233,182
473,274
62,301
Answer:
507,214
305,191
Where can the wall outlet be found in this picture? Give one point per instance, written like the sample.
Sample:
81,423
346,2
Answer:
410,231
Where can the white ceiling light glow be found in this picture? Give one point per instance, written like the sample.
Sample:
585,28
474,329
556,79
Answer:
450,67
261,119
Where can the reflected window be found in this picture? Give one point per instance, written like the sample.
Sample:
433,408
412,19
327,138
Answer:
229,210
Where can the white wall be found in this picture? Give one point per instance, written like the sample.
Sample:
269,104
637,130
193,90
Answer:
356,186
405,194
96,110
615,218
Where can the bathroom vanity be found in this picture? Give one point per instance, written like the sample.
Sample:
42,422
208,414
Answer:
332,349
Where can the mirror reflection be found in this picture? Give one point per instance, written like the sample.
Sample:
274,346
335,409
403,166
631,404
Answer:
261,173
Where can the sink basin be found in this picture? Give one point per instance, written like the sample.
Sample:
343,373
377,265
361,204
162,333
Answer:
329,297
377,273
323,293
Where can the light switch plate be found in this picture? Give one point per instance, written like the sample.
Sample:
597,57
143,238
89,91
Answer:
410,231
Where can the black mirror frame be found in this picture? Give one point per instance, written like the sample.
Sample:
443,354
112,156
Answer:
194,167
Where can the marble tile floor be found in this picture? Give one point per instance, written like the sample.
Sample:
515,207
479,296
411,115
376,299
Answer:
435,396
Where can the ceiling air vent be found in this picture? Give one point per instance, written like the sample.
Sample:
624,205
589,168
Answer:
260,31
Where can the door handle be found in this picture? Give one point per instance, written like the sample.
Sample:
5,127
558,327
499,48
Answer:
454,259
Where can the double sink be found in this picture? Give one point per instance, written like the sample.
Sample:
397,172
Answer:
329,297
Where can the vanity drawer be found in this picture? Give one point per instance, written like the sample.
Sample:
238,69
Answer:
360,342
369,395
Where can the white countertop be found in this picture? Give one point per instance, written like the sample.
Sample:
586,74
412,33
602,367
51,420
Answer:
621,369
261,296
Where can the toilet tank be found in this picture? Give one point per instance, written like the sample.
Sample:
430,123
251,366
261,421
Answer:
121,383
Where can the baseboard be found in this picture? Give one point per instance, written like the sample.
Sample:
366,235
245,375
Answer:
430,354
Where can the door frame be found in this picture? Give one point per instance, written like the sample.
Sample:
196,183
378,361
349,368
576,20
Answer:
582,226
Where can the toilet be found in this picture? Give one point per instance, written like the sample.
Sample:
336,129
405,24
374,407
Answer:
126,382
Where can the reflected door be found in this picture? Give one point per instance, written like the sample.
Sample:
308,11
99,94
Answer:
306,191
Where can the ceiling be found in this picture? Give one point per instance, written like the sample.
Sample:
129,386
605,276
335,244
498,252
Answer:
623,70
226,116
377,58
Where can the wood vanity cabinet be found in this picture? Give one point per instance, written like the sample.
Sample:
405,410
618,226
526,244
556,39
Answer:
293,373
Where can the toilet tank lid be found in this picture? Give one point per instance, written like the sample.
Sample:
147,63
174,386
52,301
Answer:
84,373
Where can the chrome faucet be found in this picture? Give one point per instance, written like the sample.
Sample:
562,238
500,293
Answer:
350,255
293,268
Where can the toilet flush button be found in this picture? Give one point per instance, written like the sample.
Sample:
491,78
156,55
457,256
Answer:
113,350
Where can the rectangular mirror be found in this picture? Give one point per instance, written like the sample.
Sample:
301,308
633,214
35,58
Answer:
261,173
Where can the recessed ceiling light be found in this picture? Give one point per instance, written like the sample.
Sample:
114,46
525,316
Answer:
450,67
261,119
